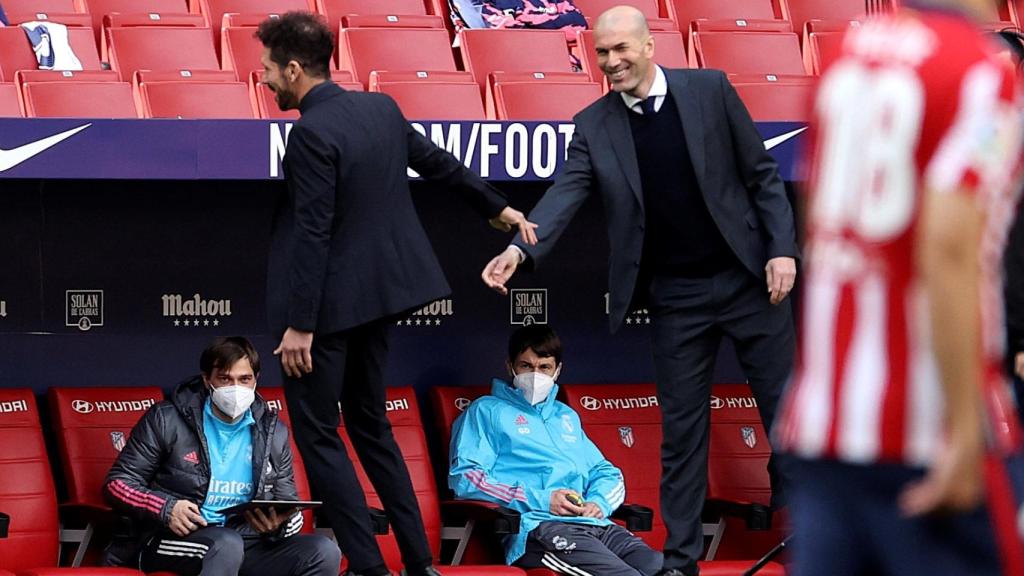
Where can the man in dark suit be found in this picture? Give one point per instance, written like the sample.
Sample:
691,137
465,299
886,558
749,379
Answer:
347,255
701,232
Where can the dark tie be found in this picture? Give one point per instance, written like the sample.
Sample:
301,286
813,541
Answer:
647,105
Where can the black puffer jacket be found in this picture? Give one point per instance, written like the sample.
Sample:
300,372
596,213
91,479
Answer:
166,459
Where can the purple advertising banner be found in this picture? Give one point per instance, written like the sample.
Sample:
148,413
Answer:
42,148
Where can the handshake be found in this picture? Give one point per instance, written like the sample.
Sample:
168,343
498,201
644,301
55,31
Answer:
569,503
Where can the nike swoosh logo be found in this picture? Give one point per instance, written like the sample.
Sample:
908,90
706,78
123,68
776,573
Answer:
775,141
11,158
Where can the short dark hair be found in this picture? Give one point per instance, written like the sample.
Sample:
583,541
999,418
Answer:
300,36
537,337
224,352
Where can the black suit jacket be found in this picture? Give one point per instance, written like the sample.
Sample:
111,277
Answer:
347,247
737,177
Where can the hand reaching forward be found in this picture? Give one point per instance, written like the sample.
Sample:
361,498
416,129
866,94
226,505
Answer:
510,217
500,269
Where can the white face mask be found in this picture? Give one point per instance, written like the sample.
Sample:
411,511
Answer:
535,386
233,400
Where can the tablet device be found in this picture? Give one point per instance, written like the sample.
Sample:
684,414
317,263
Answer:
281,506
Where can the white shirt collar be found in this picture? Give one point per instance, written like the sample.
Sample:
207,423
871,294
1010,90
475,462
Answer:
659,88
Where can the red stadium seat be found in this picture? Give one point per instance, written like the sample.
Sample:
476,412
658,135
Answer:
134,49
404,414
32,6
214,10
23,77
747,52
669,51
391,21
518,99
274,395
71,19
79,100
554,101
9,107
822,44
506,50
650,9
363,50
431,95
240,51
97,9
686,11
263,98
27,494
195,99
334,10
146,20
771,98
16,53
802,11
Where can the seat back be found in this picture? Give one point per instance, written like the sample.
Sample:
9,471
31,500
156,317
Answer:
92,426
391,21
27,493
70,19
146,48
195,99
404,414
363,50
97,9
447,404
669,51
87,99
145,20
513,50
27,6
802,11
686,11
554,101
747,52
274,396
214,10
263,98
240,51
16,52
624,421
9,107
436,100
739,449
821,49
771,98
334,10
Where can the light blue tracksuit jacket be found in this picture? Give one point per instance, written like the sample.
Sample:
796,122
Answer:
504,450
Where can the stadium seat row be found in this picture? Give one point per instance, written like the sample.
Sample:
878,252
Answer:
92,424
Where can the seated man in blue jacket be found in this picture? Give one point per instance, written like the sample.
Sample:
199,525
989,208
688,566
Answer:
213,445
523,449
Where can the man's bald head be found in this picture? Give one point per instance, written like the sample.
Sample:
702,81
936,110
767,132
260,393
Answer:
625,49
624,18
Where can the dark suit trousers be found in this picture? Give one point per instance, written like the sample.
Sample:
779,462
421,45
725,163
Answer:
348,367
689,316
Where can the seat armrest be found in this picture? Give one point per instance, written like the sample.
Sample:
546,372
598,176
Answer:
638,518
756,516
497,519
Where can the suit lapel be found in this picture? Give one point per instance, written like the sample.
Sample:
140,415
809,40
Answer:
688,103
621,136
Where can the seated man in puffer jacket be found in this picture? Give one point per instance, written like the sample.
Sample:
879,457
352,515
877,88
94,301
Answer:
523,449
214,445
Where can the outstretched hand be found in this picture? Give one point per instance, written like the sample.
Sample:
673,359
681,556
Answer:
510,217
498,271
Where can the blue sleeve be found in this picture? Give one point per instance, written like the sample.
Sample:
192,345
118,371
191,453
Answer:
474,473
605,485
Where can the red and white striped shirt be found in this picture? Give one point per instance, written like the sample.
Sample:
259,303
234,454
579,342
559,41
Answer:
915,102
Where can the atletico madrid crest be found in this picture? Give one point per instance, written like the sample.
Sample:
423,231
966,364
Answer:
626,435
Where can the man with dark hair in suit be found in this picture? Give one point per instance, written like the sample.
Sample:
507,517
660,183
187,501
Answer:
701,231
347,255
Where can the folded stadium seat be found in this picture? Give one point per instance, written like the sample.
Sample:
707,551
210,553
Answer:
739,489
573,95
656,20
686,11
240,50
160,49
801,12
196,99
363,50
391,21
551,101
71,19
32,6
823,41
624,421
145,20
16,53
669,51
335,10
404,414
23,77
97,9
9,107
27,494
431,95
274,395
263,98
92,426
214,10
78,100
747,52
513,50
771,98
